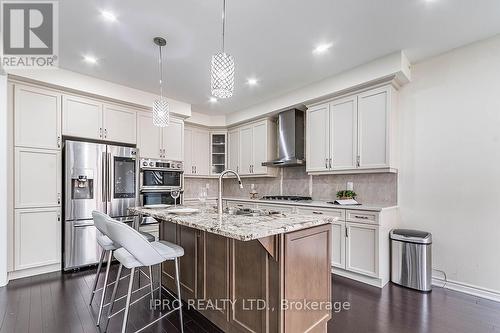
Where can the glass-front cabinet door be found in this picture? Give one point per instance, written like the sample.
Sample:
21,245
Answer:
218,149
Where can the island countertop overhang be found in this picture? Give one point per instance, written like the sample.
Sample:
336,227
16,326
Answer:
239,227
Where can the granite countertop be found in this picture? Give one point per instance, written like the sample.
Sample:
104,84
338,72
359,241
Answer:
314,203
240,227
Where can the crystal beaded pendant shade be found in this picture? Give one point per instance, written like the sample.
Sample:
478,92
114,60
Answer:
222,78
161,111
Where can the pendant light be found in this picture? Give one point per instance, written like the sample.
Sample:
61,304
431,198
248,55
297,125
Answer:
161,112
222,83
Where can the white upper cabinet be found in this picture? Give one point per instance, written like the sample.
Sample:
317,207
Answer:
259,148
172,140
246,150
82,117
343,125
37,117
234,150
119,124
373,139
188,151
250,145
149,137
318,138
158,142
353,134
91,119
196,151
37,177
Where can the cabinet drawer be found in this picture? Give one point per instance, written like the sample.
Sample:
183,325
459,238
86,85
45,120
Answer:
319,211
361,216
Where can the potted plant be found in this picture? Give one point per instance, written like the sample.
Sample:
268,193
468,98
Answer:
346,194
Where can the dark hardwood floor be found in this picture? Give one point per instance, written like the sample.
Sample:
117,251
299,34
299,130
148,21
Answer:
58,303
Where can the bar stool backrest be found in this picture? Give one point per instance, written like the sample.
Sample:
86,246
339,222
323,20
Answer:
132,241
100,221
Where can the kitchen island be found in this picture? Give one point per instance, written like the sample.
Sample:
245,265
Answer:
266,273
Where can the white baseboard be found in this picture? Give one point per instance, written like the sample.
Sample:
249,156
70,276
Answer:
33,271
466,288
358,277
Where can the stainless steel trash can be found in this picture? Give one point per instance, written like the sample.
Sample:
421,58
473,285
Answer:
411,258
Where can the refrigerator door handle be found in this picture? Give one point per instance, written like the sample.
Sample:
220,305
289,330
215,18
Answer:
108,178
103,181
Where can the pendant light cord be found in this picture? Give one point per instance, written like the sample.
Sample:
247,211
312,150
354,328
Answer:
160,64
223,22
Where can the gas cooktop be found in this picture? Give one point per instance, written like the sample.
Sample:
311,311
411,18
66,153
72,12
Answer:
286,197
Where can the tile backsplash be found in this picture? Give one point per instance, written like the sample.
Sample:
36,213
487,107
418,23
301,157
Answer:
373,188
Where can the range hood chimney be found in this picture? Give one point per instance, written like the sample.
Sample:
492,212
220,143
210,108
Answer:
290,139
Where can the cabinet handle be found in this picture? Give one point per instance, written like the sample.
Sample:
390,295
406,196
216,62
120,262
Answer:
358,161
361,217
58,198
195,169
105,133
250,168
100,132
318,213
330,162
58,141
326,163
346,233
58,216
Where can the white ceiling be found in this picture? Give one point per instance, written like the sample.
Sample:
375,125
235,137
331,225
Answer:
271,40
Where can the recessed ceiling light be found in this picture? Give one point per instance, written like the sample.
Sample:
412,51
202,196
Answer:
322,48
213,100
90,59
108,15
252,81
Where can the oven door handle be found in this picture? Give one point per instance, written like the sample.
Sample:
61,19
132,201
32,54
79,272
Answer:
161,190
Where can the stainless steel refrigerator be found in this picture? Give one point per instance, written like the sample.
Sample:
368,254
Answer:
96,177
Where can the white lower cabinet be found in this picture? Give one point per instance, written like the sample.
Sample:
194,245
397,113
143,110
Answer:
360,238
37,237
361,248
338,244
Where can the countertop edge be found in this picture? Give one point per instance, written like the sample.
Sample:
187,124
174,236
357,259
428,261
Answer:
314,204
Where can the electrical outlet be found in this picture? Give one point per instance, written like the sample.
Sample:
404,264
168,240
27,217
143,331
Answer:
350,186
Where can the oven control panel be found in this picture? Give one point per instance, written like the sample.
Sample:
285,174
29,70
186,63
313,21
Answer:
148,163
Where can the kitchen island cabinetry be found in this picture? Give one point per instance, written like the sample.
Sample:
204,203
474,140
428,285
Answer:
255,269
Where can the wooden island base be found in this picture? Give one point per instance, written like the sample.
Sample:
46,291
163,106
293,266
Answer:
240,286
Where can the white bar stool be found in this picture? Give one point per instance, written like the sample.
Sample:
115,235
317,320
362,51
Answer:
137,252
108,247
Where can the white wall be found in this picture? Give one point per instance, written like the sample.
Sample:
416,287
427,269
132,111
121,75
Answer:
3,179
90,85
450,167
395,64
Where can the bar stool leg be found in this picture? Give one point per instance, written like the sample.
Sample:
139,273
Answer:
159,282
127,304
151,282
177,281
113,295
108,266
96,279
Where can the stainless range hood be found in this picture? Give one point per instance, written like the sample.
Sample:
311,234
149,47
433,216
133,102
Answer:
290,139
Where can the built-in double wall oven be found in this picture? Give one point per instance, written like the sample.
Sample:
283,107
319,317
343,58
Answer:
160,182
